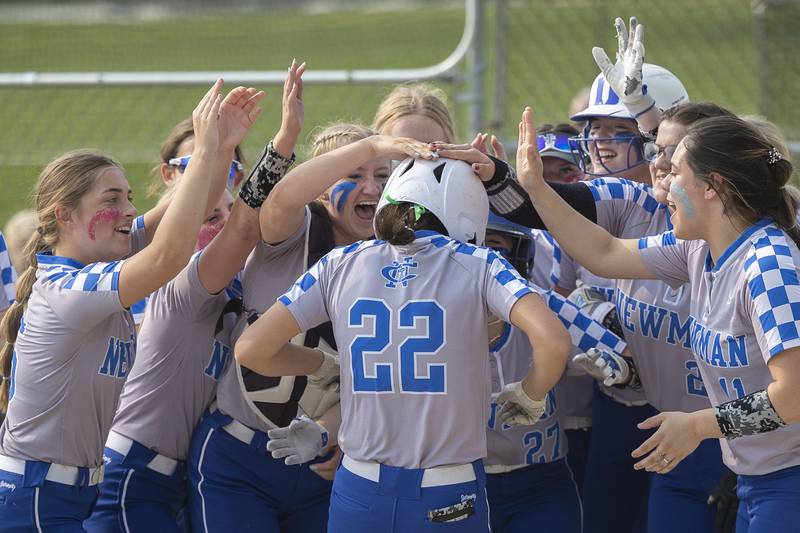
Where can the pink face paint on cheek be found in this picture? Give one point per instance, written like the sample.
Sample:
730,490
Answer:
207,234
109,214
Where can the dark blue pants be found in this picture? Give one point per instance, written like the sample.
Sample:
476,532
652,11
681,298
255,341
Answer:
770,502
137,499
541,497
240,487
614,494
679,499
397,504
29,503
577,452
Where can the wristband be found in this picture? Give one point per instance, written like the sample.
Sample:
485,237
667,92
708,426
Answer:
749,415
269,170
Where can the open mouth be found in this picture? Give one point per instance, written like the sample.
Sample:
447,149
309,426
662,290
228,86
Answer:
366,210
125,230
606,155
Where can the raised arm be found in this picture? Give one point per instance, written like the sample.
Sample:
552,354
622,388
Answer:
283,210
226,254
174,241
587,243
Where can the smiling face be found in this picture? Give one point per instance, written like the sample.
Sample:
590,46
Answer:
669,135
688,198
99,228
616,147
352,200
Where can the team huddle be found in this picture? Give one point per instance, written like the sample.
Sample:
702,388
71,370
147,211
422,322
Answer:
405,333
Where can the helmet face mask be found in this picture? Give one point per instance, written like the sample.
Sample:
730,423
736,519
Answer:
520,255
667,91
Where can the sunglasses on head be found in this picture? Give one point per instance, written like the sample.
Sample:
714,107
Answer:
560,142
182,162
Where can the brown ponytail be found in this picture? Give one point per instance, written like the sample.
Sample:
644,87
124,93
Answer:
62,183
396,223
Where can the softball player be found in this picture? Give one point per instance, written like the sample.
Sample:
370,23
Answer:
9,279
727,191
183,348
528,479
230,446
416,110
71,334
409,401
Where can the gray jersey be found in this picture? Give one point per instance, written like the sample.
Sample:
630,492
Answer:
654,316
542,442
268,273
179,361
75,347
744,310
510,359
410,322
8,276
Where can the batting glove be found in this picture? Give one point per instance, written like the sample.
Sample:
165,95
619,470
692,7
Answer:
625,76
517,408
327,376
594,304
610,368
299,442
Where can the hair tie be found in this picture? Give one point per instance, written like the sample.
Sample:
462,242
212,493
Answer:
774,156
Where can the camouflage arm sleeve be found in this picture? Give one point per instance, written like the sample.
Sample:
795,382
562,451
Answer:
749,415
269,170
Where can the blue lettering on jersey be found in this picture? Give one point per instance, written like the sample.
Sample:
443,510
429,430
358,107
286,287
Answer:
534,441
220,355
718,349
399,273
118,359
653,320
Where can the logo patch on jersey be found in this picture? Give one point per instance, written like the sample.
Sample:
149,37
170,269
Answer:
399,273
119,358
455,512
7,485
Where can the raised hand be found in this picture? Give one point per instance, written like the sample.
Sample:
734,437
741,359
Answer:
237,114
625,76
401,147
529,164
205,119
473,153
293,110
607,367
480,142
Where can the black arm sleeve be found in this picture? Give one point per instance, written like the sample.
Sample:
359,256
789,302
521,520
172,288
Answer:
508,199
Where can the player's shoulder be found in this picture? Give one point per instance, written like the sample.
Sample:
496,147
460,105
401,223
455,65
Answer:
342,254
769,248
70,275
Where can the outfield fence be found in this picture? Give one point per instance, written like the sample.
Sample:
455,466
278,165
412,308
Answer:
117,75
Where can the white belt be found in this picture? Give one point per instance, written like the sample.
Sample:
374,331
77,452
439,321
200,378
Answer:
432,477
160,463
239,431
502,469
67,475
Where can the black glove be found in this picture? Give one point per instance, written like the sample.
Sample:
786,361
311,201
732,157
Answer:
727,503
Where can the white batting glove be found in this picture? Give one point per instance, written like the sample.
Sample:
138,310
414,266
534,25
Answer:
625,76
299,442
327,376
517,408
607,367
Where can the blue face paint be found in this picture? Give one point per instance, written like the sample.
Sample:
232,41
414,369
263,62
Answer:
342,190
679,193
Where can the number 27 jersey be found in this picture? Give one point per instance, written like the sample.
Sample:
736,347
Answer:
410,322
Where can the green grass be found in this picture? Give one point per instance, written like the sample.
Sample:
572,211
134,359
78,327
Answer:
709,44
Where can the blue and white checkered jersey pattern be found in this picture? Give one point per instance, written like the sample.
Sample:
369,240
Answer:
410,322
584,332
745,308
775,290
8,276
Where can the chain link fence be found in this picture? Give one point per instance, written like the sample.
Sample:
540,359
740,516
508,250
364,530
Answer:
741,54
